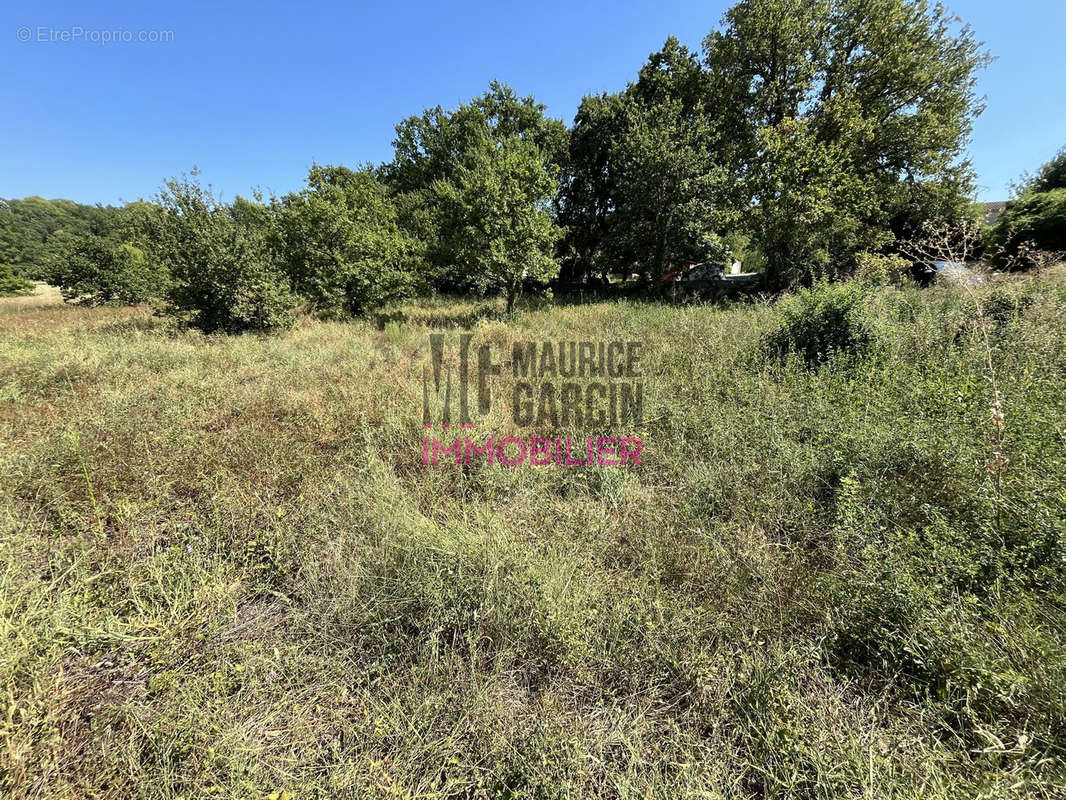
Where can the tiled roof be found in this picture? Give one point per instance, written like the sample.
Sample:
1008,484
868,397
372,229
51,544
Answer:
993,211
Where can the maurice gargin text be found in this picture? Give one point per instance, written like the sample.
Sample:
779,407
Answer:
557,384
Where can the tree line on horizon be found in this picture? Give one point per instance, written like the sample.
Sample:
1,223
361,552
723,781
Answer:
803,138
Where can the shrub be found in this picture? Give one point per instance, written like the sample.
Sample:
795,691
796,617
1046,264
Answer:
822,322
1034,220
341,243
224,276
12,284
1003,307
97,271
872,269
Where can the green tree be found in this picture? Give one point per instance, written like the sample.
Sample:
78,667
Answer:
586,200
341,242
664,201
95,270
877,99
33,228
224,275
643,182
441,146
811,209
1034,221
107,263
433,146
496,211
13,284
11,281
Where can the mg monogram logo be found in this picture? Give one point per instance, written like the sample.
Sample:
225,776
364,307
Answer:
484,370
558,386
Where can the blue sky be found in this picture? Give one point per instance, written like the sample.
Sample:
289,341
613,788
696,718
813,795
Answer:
254,95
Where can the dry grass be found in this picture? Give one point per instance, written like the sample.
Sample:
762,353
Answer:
226,573
43,295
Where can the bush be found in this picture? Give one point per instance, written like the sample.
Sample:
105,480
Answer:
224,276
96,271
1003,307
872,269
13,284
822,322
342,245
1034,220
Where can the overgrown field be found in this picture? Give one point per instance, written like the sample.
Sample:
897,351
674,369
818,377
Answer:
226,572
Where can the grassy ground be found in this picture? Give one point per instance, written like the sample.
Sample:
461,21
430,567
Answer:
226,573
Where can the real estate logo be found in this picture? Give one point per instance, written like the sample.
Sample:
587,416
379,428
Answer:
556,385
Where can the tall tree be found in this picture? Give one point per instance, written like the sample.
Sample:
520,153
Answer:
586,199
878,95
641,189
665,191
496,211
443,147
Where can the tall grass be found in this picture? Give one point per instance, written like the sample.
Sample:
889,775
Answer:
225,571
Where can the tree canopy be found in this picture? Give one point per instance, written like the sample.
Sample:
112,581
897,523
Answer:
442,148
341,242
495,218
824,129
818,133
1035,219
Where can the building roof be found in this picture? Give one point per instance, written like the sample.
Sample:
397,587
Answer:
993,211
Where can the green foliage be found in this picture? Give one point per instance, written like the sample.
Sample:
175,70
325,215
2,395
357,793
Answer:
585,201
1035,219
495,210
809,218
820,323
1004,307
443,147
94,270
873,269
664,208
341,242
641,187
430,147
224,275
13,284
852,117
1032,228
823,129
32,229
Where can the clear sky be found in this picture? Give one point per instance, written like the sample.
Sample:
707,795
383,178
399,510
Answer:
253,94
